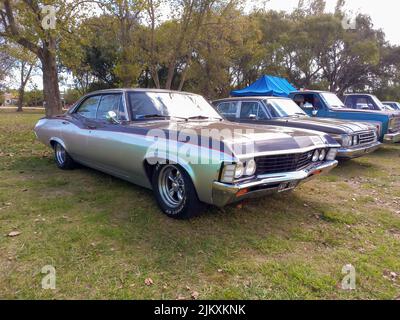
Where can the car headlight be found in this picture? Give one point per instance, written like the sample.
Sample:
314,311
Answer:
322,155
250,168
355,140
231,171
391,124
331,155
239,170
347,140
315,156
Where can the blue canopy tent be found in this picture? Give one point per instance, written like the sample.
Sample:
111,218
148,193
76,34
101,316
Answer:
266,86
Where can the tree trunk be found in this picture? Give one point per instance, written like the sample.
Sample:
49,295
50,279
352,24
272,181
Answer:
21,93
51,90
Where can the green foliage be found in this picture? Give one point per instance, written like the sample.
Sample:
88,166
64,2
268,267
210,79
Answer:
33,98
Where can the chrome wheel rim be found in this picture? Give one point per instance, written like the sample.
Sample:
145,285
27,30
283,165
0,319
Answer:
60,154
171,186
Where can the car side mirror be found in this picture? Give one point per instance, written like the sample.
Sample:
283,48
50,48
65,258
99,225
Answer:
112,117
252,116
314,113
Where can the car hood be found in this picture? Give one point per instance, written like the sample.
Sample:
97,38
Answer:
381,112
331,126
240,138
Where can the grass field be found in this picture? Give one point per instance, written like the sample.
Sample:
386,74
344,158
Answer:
105,236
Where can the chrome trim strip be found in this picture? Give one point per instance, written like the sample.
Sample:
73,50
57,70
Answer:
350,153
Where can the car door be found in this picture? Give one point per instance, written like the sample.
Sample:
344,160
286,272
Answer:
252,111
311,104
76,129
109,146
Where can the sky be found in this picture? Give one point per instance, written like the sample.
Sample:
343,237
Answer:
384,14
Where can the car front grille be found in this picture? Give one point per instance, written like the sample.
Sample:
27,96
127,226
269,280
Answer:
367,137
283,163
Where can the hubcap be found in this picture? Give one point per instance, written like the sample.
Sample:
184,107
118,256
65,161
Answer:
60,154
171,186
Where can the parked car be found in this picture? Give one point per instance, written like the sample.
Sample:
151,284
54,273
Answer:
392,104
328,105
143,136
356,138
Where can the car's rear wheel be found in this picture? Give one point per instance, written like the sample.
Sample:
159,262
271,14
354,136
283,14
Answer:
175,192
62,158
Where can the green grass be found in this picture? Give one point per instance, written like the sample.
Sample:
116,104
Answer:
105,236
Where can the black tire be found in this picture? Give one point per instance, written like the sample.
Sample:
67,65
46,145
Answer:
174,207
62,158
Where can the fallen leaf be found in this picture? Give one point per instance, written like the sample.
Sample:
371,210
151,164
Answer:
195,295
148,282
14,233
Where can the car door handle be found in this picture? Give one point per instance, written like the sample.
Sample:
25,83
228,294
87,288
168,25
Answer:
65,122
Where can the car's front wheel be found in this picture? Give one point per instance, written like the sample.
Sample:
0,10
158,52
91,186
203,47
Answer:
62,158
175,192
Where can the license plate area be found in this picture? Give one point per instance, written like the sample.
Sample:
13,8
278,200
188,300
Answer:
287,186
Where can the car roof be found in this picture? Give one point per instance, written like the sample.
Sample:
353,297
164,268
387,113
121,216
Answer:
309,91
137,90
358,94
251,98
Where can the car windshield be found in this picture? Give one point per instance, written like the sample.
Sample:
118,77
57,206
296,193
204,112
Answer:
332,100
388,106
283,108
170,104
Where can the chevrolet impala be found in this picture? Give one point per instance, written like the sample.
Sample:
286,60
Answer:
176,144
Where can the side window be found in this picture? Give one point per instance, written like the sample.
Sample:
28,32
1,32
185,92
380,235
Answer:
250,109
228,109
88,108
111,102
349,102
299,99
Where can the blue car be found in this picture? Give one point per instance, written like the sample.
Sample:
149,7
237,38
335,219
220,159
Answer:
392,104
327,105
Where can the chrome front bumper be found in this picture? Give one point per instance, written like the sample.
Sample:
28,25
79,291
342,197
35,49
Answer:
224,193
351,153
392,137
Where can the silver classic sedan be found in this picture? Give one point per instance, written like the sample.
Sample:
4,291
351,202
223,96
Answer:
176,144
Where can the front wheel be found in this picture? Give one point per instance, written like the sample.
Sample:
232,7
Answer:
62,158
175,192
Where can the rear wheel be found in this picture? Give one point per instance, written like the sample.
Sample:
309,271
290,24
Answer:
62,158
175,192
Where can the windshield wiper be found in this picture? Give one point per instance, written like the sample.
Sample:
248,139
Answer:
157,116
200,117
147,116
